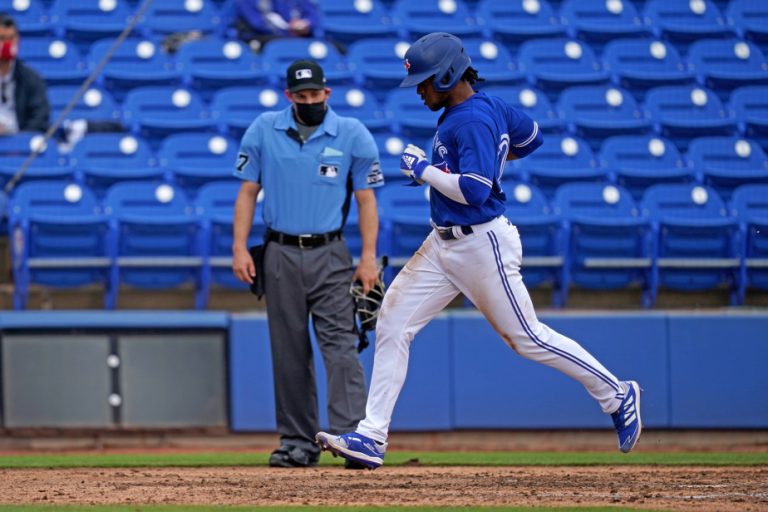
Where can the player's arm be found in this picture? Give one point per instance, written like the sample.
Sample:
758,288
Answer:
525,136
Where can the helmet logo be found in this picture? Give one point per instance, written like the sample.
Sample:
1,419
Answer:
407,65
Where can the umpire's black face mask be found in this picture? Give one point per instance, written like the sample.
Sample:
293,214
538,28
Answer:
310,114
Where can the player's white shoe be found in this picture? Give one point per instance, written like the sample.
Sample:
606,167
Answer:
355,447
627,420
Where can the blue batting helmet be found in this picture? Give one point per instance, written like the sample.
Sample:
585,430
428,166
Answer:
439,54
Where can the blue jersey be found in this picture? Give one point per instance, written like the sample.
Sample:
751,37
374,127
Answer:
473,139
305,185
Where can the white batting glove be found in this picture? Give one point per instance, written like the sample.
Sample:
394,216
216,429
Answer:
413,162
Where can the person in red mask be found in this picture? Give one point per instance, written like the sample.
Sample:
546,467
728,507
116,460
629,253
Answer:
23,94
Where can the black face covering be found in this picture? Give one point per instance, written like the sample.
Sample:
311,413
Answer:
310,114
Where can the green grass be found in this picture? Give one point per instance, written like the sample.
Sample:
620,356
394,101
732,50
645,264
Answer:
194,508
205,459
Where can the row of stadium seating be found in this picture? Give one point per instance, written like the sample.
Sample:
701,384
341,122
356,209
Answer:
679,21
207,65
190,160
152,236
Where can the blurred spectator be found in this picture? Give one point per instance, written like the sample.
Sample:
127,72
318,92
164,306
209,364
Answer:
259,21
23,94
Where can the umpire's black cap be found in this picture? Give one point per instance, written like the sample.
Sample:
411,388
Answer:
305,74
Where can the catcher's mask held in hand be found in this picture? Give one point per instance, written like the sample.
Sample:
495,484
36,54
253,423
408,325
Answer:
367,306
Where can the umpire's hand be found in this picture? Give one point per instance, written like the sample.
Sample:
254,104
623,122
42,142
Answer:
242,264
367,272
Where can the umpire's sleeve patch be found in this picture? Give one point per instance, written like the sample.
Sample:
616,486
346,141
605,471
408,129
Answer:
242,161
374,175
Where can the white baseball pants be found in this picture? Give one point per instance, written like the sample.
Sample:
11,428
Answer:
485,267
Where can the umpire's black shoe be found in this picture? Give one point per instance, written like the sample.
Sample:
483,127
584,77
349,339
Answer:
293,457
351,464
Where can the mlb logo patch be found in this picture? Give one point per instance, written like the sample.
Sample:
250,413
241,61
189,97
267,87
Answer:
375,175
301,74
329,171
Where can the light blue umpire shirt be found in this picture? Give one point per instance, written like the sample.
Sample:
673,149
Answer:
305,185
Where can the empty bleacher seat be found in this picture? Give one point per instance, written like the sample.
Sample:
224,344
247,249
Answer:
103,159
95,104
60,238
749,205
216,204
750,106
58,61
404,217
561,159
554,64
409,114
723,65
494,62
516,21
135,63
750,20
542,236
609,241
169,16
236,107
599,21
361,104
155,112
426,16
195,159
213,63
531,101
641,64
85,21
31,17
696,247
685,112
48,164
280,53
684,21
725,163
160,242
378,63
391,146
639,161
596,112
348,21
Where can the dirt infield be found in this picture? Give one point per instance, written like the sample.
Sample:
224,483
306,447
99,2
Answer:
671,488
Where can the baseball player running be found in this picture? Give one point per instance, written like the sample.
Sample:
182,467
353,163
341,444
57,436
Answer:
476,135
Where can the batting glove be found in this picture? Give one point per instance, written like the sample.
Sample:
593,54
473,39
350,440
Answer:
413,162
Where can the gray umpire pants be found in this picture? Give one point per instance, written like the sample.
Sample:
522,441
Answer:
298,283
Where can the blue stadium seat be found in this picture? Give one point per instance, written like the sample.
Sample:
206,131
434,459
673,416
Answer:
641,64
725,163
135,63
542,236
685,112
215,203
696,244
724,64
235,108
31,17
409,114
378,64
169,16
749,205
210,64
684,21
16,149
531,101
561,159
516,21
391,146
361,104
280,53
348,21
160,242
155,112
609,241
404,218
599,111
494,62
103,159
58,61
750,105
95,104
555,64
195,159
61,238
85,21
600,21
426,16
639,161
750,20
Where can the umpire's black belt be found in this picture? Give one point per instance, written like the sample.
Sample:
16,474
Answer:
303,241
447,233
